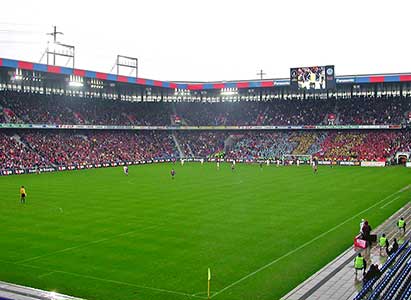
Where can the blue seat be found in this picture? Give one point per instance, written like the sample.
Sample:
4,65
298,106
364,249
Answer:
390,275
407,294
398,281
368,286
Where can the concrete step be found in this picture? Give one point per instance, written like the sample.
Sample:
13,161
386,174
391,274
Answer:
18,292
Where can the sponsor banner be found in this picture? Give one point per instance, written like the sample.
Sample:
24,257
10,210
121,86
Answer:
347,163
373,164
324,162
345,80
281,82
76,167
104,127
408,164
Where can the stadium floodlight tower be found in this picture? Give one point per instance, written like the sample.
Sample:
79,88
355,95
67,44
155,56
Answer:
130,63
57,49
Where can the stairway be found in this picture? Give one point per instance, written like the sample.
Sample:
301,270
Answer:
190,150
25,144
178,146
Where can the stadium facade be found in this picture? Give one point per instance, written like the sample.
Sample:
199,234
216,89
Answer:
374,111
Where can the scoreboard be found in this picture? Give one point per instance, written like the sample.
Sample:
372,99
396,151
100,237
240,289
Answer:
312,78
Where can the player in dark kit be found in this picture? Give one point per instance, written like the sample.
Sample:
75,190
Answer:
173,173
315,164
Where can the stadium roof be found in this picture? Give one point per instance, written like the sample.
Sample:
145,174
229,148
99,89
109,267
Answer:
354,79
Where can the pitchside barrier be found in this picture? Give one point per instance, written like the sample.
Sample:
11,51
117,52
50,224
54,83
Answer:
18,171
178,127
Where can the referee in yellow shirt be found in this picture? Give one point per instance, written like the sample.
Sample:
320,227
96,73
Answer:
23,195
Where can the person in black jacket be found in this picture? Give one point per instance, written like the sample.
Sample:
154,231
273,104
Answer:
394,247
366,232
373,272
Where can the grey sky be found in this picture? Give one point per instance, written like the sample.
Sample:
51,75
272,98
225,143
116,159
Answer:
216,40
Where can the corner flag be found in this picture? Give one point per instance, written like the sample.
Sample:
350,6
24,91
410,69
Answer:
209,279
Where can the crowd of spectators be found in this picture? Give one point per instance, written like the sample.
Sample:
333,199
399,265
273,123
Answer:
256,145
54,109
201,144
15,155
370,145
42,148
373,111
16,107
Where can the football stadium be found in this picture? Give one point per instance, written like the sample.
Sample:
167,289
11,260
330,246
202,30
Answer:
118,186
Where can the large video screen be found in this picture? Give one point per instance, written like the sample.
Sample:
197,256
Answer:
312,78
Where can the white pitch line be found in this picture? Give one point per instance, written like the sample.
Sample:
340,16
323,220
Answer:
85,245
390,202
306,243
133,285
201,293
46,274
108,280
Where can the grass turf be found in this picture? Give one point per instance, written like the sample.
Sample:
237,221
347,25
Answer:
98,234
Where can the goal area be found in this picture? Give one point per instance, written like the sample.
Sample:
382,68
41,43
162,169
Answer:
296,159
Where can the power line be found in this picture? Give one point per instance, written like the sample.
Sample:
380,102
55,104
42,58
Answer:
12,31
18,42
22,24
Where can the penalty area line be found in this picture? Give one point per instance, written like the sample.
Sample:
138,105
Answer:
307,243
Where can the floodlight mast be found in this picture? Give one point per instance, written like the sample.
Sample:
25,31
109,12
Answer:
59,49
127,62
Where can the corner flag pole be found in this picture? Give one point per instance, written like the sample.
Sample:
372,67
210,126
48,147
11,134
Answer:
209,280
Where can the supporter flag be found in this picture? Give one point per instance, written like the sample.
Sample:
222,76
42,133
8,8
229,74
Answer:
177,120
8,112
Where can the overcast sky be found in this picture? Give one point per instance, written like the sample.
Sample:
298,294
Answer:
216,40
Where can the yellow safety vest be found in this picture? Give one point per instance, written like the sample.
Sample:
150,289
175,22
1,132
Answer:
383,241
359,262
401,223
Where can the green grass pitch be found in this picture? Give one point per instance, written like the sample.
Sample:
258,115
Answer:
99,234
